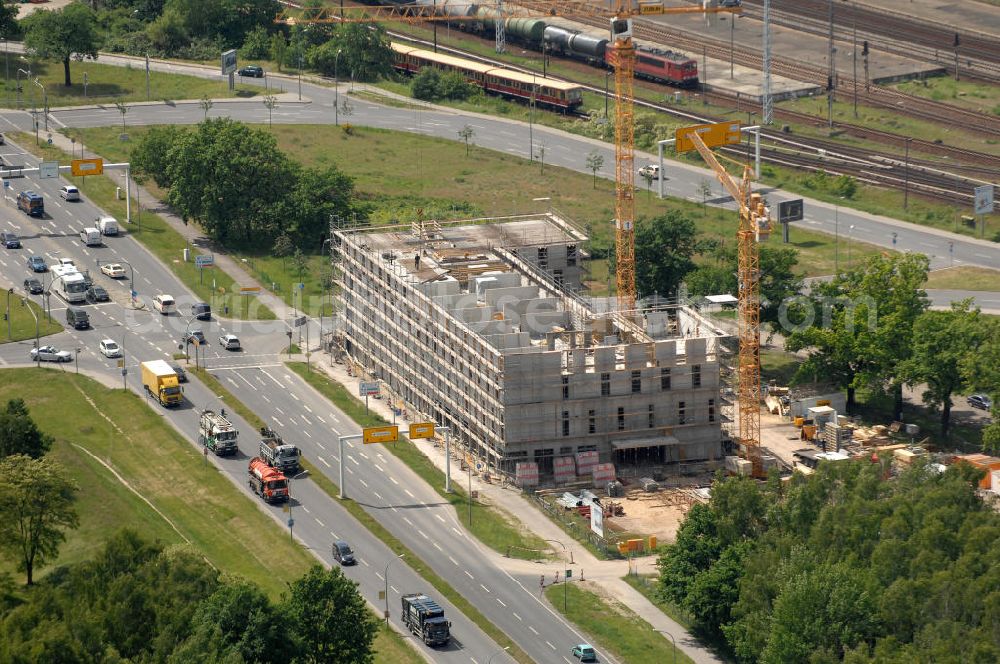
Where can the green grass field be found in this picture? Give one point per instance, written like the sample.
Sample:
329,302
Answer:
193,502
965,278
22,323
160,238
614,627
107,84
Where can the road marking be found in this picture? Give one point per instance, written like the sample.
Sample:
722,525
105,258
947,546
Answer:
265,398
394,481
514,613
305,419
453,561
379,575
321,524
306,509
467,574
335,419
457,531
279,410
287,377
324,462
363,482
354,460
230,379
247,382
424,535
376,495
409,494
438,547
363,454
381,470
308,409
277,421
334,536
295,396
320,418
307,433
550,645
533,630
393,588
321,446
981,255
501,603
364,562
349,469
440,518
484,587
407,520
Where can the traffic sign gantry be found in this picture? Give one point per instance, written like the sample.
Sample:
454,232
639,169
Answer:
713,135
421,430
249,290
387,434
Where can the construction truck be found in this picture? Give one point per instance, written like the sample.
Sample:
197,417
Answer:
268,483
160,381
425,618
277,453
217,433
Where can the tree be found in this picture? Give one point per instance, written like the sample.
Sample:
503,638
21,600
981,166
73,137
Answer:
648,177
19,434
595,161
279,47
425,85
8,21
36,506
943,342
256,44
704,191
860,326
330,620
981,371
664,247
270,101
206,105
149,155
366,52
123,109
62,34
466,133
283,248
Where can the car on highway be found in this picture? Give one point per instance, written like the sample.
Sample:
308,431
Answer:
201,310
110,348
97,294
87,279
182,376
113,270
69,193
51,354
33,286
197,336
651,171
230,341
10,240
980,401
66,262
164,304
37,264
253,71
342,553
31,203
585,653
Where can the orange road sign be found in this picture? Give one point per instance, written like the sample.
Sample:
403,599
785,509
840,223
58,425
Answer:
87,166
421,430
714,135
387,434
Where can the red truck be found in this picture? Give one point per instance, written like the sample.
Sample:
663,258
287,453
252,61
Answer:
267,482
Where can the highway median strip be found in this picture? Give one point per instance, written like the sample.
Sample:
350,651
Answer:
376,528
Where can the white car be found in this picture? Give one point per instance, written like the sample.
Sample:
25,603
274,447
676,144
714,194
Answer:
69,193
109,348
652,171
230,341
51,354
113,270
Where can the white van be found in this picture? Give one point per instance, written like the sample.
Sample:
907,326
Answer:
91,237
67,262
164,304
107,225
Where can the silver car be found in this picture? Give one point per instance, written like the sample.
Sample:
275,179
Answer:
51,354
230,342
70,193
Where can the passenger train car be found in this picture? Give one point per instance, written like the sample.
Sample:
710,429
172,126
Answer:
548,92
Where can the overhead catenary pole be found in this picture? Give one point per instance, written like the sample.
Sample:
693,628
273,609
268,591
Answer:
767,110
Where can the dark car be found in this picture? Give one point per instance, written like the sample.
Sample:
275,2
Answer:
37,264
34,286
980,401
342,553
77,318
201,310
87,279
182,376
10,240
97,294
253,71
197,337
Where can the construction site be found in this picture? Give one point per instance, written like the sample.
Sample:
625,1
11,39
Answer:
484,326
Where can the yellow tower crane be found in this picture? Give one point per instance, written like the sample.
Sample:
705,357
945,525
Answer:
624,65
754,227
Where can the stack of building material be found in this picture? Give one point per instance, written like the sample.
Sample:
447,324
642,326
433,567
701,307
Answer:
564,469
603,473
585,462
836,437
526,474
615,489
738,466
908,455
649,484
983,462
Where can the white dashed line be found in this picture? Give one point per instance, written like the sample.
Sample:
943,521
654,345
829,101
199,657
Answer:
409,494
277,421
308,409
321,446
513,613
424,535
533,630
306,509
484,587
468,574
279,410
265,398
550,645
324,462
454,562
440,518
307,433
457,531
438,547
321,524
501,602
407,520
394,481
376,495
363,482
295,396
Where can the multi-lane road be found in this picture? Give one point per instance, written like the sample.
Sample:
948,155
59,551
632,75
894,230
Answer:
378,481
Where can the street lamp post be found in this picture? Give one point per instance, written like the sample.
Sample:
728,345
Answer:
849,233
45,102
78,360
9,292
607,75
336,89
38,354
836,239
906,175
185,340
565,550
504,649
672,640
386,576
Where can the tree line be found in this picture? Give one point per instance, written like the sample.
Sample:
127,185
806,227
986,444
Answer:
842,566
241,188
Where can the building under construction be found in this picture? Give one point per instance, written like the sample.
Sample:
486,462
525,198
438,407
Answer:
485,326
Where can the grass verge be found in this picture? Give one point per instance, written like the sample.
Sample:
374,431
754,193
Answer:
159,238
107,84
621,631
376,528
22,323
490,525
965,278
